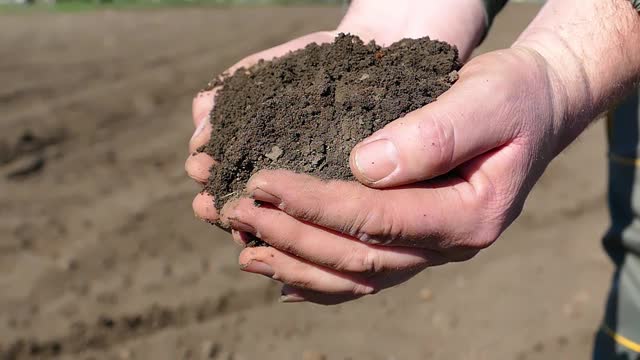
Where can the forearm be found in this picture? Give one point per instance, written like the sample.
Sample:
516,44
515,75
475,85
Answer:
460,22
592,49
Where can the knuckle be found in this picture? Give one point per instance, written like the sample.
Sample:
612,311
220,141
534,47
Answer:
479,227
485,195
487,209
242,215
484,235
474,241
490,234
466,248
259,179
498,206
361,260
361,289
375,223
438,133
490,229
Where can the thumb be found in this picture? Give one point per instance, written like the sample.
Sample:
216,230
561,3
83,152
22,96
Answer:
476,115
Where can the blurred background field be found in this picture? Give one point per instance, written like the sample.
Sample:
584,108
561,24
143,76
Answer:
86,5
102,258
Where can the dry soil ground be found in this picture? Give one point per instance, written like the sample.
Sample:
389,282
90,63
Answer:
101,257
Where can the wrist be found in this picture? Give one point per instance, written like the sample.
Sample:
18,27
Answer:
566,84
591,55
459,22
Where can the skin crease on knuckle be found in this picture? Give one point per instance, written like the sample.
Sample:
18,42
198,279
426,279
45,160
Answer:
441,132
361,289
535,104
361,260
374,223
492,210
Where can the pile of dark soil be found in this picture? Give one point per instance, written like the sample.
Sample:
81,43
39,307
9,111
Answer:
305,111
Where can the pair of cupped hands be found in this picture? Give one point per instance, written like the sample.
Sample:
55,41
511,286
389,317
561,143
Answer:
436,186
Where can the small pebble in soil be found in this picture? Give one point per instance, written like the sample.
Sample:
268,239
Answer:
275,153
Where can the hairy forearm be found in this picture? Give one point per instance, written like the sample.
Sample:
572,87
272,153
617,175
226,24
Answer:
592,48
460,22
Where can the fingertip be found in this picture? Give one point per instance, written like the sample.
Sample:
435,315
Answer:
253,255
239,237
204,207
260,179
260,186
374,161
201,136
355,170
227,211
246,256
289,294
198,166
241,215
257,194
278,186
202,104
273,181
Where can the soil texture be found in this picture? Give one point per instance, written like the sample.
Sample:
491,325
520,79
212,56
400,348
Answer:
305,111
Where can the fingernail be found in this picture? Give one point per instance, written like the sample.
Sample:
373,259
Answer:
200,127
261,195
289,296
241,226
292,298
238,238
377,160
258,267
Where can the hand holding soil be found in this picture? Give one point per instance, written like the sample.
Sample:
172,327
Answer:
442,181
305,111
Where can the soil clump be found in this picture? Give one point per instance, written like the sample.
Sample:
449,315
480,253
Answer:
305,111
